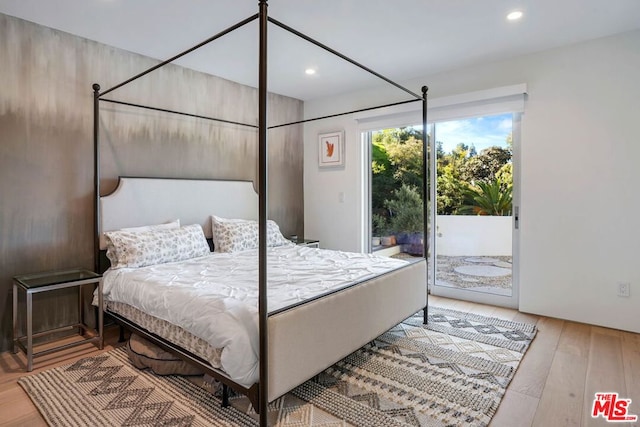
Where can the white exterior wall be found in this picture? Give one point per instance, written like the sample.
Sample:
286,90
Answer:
579,176
472,235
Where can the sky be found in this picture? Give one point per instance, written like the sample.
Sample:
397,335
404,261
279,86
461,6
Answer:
482,132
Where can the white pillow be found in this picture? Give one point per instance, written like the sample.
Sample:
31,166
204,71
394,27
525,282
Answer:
171,224
156,246
232,235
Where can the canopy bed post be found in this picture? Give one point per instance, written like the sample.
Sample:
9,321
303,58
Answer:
96,177
425,194
275,350
262,213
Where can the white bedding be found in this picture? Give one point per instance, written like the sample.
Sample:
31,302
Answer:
215,297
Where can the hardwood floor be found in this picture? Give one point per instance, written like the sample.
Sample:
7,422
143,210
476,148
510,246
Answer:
565,366
16,408
554,385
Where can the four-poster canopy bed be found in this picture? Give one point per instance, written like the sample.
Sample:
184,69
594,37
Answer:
278,349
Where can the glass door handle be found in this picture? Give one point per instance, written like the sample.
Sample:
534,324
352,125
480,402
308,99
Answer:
516,217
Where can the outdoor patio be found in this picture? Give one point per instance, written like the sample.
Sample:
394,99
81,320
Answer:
466,248
490,274
478,273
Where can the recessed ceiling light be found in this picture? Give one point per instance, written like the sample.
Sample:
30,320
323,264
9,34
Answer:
310,71
515,15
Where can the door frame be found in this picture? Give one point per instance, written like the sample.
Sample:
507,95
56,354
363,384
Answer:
464,294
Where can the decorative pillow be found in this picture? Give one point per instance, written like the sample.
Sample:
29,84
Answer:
141,248
171,224
232,235
109,244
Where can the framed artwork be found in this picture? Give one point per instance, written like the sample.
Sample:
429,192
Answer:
331,149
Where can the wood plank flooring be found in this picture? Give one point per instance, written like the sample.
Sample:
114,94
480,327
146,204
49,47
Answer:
554,385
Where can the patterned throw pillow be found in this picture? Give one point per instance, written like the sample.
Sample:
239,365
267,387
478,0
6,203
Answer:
171,224
111,249
232,235
157,246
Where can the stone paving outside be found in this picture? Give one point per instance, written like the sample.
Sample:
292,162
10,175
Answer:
477,273
473,272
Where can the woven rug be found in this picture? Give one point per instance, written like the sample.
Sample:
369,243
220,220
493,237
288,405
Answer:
451,372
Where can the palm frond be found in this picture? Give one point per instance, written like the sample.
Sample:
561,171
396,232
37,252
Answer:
488,198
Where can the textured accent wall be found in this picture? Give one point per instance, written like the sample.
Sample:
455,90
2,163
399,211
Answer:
46,148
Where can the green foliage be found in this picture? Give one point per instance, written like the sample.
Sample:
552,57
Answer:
452,163
463,168
406,159
485,165
401,135
383,182
492,198
450,185
505,175
450,193
379,225
406,210
396,160
466,180
380,163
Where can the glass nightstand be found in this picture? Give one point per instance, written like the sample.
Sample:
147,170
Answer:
309,243
50,281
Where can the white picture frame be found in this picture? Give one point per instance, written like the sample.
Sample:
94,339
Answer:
331,149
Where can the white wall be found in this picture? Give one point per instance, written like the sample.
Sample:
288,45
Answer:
334,222
473,235
579,179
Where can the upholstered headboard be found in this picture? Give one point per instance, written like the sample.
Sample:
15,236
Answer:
145,201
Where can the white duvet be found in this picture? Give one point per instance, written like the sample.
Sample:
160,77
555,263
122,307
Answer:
215,297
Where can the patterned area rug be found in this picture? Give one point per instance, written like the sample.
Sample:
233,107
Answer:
451,372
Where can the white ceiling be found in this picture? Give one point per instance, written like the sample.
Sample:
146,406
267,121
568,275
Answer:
400,39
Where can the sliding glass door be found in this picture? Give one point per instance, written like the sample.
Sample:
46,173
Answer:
396,188
473,223
472,193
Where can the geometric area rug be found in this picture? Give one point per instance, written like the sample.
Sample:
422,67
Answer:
451,372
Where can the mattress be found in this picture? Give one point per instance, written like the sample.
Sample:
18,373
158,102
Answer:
215,297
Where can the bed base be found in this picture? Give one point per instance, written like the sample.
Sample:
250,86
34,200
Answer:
306,340
252,392
296,355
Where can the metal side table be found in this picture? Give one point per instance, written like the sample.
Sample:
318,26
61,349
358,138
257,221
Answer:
50,281
310,243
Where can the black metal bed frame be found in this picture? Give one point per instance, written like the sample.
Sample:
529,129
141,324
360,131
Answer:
258,392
